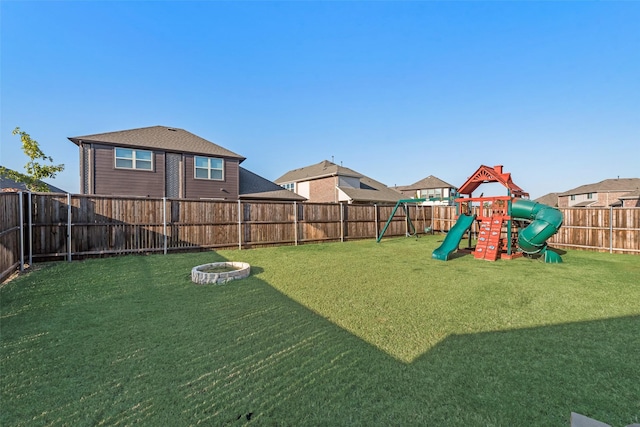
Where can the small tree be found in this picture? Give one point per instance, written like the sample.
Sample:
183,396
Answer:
35,170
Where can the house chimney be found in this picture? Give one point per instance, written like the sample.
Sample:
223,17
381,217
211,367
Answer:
498,169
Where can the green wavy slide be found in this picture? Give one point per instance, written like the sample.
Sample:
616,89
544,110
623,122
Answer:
452,240
545,222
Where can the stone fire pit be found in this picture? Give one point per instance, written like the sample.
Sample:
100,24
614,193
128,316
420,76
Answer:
214,273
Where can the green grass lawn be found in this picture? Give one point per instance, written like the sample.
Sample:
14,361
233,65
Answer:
339,334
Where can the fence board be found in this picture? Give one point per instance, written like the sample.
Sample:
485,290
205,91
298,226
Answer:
9,234
319,221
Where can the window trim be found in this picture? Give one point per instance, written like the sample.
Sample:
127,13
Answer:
208,168
291,186
133,159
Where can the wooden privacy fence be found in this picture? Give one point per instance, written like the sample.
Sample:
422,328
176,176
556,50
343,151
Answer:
65,226
45,226
616,230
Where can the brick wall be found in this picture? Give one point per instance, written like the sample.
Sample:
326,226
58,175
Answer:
605,199
323,190
563,202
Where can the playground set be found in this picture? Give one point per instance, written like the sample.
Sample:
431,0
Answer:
509,226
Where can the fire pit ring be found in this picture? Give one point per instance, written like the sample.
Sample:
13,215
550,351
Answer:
215,274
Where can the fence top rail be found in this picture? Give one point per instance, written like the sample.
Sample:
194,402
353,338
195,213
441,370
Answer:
602,208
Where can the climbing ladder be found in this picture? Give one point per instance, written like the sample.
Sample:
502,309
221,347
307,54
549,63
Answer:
489,243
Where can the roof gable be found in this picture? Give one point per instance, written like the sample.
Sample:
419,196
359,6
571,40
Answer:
486,174
320,170
160,138
427,183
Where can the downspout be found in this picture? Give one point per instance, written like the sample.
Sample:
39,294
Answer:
83,183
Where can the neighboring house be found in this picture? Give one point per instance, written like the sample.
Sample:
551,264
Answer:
160,161
610,192
437,191
550,199
327,182
255,187
9,185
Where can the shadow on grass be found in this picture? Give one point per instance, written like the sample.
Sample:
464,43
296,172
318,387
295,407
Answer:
166,351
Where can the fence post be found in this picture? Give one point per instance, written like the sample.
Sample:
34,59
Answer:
375,218
295,222
341,223
69,227
610,229
164,223
239,224
21,240
30,231
432,216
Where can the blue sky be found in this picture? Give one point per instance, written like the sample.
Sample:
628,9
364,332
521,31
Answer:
397,91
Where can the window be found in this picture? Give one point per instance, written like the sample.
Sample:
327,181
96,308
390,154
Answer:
127,158
291,186
209,168
589,195
433,193
573,197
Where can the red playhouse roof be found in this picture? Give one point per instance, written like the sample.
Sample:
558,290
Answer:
486,174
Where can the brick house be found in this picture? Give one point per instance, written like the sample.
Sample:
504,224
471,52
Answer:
624,192
326,182
160,161
437,191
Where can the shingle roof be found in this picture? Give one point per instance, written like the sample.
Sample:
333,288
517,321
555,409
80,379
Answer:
550,199
631,195
8,183
253,186
320,170
372,191
584,204
427,183
608,185
159,137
